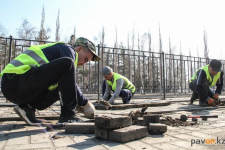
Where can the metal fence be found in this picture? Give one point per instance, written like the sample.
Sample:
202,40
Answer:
150,72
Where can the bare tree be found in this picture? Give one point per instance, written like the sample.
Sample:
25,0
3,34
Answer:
133,38
57,38
206,51
43,33
26,30
149,41
2,30
73,37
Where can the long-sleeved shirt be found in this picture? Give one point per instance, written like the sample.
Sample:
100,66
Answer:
64,50
201,77
120,84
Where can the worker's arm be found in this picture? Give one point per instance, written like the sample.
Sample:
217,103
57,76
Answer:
119,86
219,84
201,76
82,100
107,91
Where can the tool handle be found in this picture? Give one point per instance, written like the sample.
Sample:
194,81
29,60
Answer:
209,116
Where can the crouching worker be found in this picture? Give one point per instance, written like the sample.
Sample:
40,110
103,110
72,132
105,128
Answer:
117,83
43,74
206,77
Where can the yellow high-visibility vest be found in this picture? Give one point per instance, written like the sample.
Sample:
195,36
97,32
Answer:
116,76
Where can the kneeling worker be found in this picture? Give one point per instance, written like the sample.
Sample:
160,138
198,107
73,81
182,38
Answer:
121,86
208,76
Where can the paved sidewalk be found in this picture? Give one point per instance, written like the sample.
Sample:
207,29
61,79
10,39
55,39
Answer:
18,135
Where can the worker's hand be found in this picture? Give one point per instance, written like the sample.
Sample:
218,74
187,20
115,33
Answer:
211,102
216,99
80,109
89,110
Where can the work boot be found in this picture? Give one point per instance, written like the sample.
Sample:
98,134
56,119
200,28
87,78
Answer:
27,114
193,97
71,119
125,101
202,102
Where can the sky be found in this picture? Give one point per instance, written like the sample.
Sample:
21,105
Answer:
183,21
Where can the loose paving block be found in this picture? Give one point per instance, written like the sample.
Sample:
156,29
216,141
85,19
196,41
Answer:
140,121
162,120
128,133
80,128
112,121
140,105
101,133
151,118
98,107
157,128
158,104
118,107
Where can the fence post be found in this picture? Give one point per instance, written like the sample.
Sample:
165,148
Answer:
99,73
164,89
10,48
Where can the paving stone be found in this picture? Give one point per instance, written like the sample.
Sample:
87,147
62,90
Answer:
28,146
140,121
167,146
153,139
152,118
157,128
17,140
63,141
128,133
84,140
118,107
140,145
39,138
101,107
112,121
101,133
80,128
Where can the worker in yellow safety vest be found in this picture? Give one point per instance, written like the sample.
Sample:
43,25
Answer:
206,77
117,83
43,74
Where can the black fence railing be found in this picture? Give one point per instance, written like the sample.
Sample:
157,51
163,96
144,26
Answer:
150,72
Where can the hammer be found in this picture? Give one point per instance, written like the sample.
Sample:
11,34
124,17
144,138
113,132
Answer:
184,117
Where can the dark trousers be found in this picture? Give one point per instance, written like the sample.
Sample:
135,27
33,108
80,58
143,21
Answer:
32,87
206,88
125,94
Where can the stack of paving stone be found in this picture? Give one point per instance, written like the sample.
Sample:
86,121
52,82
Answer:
118,128
152,121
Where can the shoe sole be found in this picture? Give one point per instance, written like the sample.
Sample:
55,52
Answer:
23,116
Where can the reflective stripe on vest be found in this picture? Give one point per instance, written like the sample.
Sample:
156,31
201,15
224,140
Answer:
116,76
208,76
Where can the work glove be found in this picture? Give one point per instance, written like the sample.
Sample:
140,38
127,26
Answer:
211,102
87,110
216,99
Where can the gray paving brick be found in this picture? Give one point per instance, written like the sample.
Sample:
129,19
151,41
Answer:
167,146
140,145
85,128
39,138
18,140
84,140
152,139
157,128
152,118
63,141
112,121
128,133
28,146
101,133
